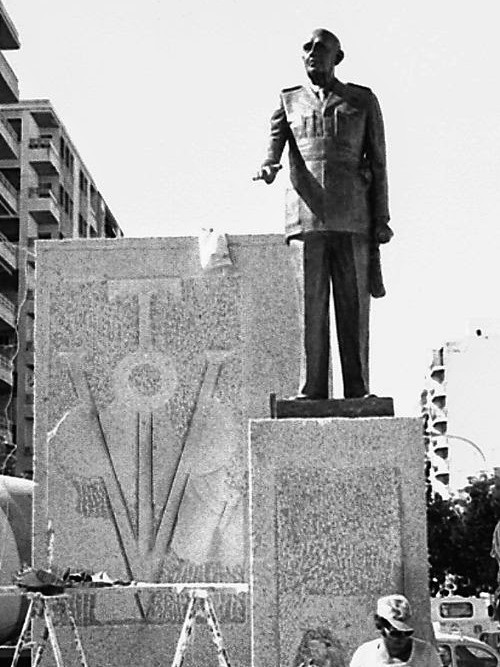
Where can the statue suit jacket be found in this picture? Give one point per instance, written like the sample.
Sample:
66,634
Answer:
337,159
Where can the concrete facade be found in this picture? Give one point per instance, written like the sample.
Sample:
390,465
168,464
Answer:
46,192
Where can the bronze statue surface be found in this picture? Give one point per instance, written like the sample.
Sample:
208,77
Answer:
337,208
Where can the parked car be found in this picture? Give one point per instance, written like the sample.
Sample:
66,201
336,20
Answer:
457,650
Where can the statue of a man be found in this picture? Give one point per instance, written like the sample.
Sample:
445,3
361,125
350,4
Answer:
337,209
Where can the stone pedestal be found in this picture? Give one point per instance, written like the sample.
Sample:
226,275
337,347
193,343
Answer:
148,367
337,520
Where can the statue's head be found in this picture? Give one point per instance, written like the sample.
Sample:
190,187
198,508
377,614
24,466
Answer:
321,53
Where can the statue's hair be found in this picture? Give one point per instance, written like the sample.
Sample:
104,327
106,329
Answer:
340,54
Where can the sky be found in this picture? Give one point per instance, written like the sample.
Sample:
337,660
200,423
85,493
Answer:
168,103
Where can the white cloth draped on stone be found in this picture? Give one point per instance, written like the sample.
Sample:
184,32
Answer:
214,250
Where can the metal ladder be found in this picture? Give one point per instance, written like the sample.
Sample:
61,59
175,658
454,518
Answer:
41,606
200,598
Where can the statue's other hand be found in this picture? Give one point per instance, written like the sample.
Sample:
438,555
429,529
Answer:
383,233
267,173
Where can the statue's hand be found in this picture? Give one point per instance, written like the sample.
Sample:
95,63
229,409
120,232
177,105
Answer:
383,233
267,173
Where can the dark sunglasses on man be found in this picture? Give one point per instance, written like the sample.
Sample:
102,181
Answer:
396,634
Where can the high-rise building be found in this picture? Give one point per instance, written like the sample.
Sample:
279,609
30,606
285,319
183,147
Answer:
434,411
46,192
459,407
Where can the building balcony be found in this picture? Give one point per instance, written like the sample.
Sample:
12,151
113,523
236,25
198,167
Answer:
436,388
442,472
440,447
9,38
7,312
5,431
437,413
29,400
9,198
44,157
9,85
8,255
439,401
5,371
93,224
43,206
9,143
437,428
437,372
29,302
29,356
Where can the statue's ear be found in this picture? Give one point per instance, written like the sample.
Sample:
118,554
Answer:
340,57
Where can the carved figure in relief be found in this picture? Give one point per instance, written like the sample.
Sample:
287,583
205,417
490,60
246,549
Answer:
336,211
166,495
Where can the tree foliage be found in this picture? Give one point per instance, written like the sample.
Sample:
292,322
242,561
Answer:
460,531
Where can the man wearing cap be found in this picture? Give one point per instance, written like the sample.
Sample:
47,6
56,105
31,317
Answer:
396,645
336,211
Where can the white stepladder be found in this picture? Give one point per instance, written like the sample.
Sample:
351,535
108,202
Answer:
200,598
41,606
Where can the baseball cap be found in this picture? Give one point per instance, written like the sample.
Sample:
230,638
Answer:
396,610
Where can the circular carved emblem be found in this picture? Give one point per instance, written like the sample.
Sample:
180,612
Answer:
145,379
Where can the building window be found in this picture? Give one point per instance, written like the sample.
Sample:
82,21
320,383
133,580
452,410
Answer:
84,183
82,227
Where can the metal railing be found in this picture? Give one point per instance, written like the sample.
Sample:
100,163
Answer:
7,303
8,126
9,75
5,362
43,192
12,247
41,142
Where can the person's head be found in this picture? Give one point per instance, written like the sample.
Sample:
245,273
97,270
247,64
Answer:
321,53
445,655
315,646
393,612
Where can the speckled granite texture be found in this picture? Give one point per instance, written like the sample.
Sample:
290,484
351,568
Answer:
337,520
147,370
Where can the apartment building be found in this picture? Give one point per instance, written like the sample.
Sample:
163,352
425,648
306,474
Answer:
435,415
459,406
46,192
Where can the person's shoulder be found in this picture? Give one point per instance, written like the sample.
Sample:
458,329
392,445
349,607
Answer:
358,87
365,649
358,93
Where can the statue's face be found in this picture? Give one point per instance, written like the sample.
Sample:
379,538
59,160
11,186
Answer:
320,55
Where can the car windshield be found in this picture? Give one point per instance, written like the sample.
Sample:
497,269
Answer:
469,655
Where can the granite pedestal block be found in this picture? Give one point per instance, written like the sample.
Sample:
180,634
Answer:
148,367
370,406
337,520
